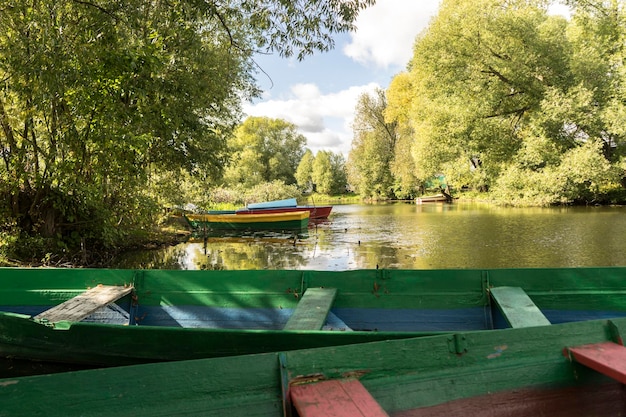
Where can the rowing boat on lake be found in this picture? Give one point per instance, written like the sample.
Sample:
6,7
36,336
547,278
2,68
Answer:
437,198
230,221
284,206
562,370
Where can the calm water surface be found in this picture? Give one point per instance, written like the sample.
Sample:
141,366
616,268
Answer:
402,235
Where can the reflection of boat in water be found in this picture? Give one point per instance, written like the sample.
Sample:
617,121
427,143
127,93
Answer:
258,222
246,236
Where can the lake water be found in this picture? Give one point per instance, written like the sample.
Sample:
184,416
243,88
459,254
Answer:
403,235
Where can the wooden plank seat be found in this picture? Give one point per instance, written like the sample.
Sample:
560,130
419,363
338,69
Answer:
335,398
311,312
607,358
81,306
517,307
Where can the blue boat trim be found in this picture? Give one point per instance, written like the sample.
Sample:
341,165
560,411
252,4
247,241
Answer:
289,202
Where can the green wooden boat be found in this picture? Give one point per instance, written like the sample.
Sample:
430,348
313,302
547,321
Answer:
138,316
533,371
229,221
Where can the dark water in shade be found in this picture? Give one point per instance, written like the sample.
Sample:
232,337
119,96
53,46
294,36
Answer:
403,235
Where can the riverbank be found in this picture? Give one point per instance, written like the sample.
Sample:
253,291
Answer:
174,230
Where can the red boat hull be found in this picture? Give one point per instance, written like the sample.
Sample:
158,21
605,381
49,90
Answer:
316,212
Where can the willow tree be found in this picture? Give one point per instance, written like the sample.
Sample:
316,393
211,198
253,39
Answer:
479,70
496,81
372,151
304,170
399,98
97,97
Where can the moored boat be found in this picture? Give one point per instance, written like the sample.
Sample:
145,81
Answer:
571,369
315,212
437,198
176,315
284,221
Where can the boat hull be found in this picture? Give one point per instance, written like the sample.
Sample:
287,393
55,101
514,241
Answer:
177,315
283,221
439,198
514,372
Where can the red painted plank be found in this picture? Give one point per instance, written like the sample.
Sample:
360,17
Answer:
607,357
335,398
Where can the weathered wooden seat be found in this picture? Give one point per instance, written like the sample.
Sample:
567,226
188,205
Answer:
607,358
311,312
334,398
81,306
517,307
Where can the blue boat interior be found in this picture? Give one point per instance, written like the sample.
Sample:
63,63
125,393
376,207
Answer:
124,312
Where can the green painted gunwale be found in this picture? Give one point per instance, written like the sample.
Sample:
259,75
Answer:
401,375
575,288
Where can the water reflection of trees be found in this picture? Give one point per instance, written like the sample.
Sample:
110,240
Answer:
416,237
251,253
166,258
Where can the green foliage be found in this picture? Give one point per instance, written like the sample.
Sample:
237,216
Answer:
399,95
581,174
100,102
328,173
500,95
305,170
369,161
264,150
95,96
298,27
478,72
274,190
240,195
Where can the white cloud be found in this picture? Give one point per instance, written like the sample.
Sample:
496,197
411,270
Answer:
386,31
324,119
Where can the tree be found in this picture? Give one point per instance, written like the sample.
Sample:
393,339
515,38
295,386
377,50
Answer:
479,72
399,96
329,173
264,150
373,147
98,97
304,170
492,79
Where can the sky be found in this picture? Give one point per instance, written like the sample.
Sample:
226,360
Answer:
320,93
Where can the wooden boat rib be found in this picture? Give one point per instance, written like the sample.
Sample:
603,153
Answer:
179,315
521,372
291,220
